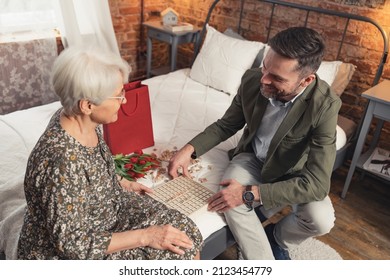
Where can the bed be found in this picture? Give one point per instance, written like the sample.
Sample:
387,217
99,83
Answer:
183,103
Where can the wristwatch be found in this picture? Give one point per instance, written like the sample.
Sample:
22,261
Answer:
248,197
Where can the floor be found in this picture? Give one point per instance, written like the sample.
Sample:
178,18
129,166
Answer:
362,227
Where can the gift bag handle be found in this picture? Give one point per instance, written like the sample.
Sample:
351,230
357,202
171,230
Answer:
132,85
133,91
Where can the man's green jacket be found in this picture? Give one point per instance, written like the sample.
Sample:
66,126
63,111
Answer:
301,155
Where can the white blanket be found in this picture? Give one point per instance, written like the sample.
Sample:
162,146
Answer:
181,108
19,131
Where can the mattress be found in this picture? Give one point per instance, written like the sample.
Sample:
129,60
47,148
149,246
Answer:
181,108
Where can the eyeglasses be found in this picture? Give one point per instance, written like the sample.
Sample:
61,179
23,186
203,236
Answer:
121,97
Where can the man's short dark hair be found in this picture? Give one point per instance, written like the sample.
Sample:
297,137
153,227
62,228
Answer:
301,43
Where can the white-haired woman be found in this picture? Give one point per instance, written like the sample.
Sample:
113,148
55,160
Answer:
76,206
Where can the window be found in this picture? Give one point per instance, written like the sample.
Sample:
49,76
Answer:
26,15
78,21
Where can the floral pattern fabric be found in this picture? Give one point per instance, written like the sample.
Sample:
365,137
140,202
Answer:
25,73
75,204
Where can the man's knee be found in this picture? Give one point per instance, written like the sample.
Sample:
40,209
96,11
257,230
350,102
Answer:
324,226
319,223
317,217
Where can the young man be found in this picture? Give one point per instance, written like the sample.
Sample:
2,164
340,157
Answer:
286,153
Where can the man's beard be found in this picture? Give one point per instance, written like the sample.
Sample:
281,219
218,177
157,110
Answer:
269,91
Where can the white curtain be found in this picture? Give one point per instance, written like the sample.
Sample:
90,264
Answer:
23,15
81,22
86,22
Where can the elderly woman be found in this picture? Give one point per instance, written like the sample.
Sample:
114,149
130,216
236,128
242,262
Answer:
76,206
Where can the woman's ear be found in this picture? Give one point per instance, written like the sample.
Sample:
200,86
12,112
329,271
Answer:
85,106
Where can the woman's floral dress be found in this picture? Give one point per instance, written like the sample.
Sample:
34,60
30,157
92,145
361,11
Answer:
75,204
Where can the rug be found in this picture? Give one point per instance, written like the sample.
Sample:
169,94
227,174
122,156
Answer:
311,249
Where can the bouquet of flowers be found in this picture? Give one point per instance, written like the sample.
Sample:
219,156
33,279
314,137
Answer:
136,165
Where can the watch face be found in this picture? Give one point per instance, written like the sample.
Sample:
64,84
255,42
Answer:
249,196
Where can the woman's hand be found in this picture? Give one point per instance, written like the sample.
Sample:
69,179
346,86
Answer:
164,237
134,187
167,237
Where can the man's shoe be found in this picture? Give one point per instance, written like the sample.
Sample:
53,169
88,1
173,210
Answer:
279,252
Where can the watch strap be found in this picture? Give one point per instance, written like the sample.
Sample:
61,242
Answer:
193,155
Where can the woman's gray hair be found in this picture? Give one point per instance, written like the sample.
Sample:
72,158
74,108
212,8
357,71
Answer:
91,74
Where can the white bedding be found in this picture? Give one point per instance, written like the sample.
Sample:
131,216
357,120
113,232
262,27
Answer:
181,108
19,131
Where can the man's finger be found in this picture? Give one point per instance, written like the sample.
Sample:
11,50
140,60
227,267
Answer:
172,171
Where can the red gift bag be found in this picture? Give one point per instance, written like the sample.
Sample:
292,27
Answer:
133,130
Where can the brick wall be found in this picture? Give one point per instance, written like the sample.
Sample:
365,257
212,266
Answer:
361,48
127,17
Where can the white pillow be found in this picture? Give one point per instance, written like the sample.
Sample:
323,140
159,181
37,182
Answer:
328,71
223,60
259,57
341,138
19,132
266,49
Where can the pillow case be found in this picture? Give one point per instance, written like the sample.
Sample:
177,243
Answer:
328,70
337,74
259,57
343,77
223,60
19,132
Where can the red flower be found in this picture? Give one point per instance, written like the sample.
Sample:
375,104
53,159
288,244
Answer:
136,165
129,166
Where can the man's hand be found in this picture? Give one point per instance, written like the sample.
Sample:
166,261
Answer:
228,198
181,160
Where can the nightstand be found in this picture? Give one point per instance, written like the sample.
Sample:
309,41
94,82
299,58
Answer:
379,107
155,30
